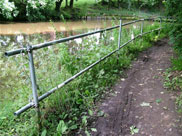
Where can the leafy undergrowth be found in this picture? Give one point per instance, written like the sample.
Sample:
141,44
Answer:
68,110
173,81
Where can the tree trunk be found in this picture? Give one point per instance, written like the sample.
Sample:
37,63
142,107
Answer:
109,4
119,3
129,4
160,3
58,5
66,4
71,3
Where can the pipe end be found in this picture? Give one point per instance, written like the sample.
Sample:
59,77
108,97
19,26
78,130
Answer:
6,54
16,114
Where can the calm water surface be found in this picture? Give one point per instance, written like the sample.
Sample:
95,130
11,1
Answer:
47,27
16,33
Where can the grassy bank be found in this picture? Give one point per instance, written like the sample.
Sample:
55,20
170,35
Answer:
173,78
93,9
67,110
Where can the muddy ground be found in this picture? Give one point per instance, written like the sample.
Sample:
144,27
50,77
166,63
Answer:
140,102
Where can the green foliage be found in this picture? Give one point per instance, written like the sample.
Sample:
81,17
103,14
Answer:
8,9
44,132
147,4
173,9
133,130
150,3
173,81
61,128
177,63
179,103
174,78
75,13
38,10
31,10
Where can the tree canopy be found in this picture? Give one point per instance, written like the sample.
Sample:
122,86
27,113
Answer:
30,10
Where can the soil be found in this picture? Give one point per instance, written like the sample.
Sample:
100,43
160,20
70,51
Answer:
140,100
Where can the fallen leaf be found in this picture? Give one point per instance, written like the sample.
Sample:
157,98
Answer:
100,113
158,101
94,129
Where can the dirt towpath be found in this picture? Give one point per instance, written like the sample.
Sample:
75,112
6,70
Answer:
140,101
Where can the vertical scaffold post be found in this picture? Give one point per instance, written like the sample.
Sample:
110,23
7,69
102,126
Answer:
119,38
142,27
160,25
34,85
120,32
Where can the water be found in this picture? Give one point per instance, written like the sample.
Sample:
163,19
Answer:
47,27
20,34
23,33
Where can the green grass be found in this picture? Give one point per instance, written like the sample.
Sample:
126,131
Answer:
82,3
173,75
92,8
173,82
69,108
123,12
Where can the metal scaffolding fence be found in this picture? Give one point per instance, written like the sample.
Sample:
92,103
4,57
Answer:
30,49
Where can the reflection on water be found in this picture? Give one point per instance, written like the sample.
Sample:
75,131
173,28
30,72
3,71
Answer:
21,34
46,27
22,40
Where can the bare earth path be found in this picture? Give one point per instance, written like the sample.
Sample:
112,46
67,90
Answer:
140,99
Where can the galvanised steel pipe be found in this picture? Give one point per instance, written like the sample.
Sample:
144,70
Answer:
120,32
15,52
23,109
33,77
28,106
42,45
142,24
34,84
152,31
